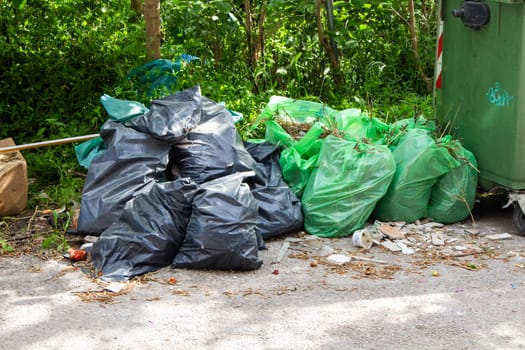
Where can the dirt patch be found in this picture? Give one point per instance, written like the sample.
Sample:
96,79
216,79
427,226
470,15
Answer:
26,233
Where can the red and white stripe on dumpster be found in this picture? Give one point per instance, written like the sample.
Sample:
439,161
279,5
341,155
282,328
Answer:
439,60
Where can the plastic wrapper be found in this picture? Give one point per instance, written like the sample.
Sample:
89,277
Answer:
221,233
350,177
149,232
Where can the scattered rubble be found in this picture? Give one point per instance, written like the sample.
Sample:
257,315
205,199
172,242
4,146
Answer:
421,245
428,243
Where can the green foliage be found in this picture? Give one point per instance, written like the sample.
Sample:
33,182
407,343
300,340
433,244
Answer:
57,239
374,39
204,28
5,247
57,57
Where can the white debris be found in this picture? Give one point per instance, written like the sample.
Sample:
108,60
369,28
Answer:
90,239
472,231
499,236
438,238
115,287
404,248
432,225
362,258
282,252
390,245
338,259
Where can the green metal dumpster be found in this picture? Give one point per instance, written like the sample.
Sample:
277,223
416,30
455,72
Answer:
479,92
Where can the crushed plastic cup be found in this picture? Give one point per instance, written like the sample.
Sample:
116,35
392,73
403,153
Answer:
362,239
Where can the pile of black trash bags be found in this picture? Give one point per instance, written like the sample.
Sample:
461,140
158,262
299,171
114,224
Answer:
177,186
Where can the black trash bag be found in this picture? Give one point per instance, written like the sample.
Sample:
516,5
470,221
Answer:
279,208
221,232
172,117
212,149
132,161
148,234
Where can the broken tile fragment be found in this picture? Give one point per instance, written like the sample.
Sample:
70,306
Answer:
438,238
390,231
405,249
499,236
432,225
390,245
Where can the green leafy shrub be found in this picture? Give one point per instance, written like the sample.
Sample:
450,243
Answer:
58,57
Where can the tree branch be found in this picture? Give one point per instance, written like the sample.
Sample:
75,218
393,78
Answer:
415,48
323,39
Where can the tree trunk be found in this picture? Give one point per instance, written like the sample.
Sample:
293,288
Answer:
249,34
137,7
325,43
254,36
152,19
413,41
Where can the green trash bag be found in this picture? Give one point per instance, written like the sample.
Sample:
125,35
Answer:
454,195
286,109
399,128
419,164
343,189
296,169
277,135
298,160
355,124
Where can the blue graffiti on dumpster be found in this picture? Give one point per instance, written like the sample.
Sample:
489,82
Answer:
499,96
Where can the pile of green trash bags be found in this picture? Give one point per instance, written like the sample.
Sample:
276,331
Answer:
348,167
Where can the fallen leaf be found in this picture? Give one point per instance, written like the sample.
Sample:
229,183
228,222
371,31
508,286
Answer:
181,292
472,266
